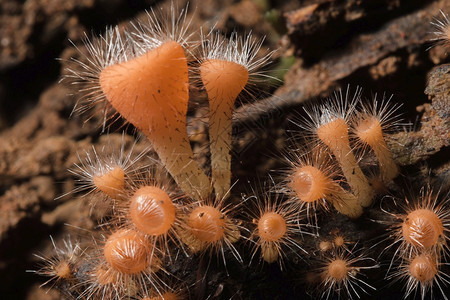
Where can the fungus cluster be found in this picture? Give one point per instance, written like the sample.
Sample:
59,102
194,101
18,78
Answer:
336,130
421,237
172,207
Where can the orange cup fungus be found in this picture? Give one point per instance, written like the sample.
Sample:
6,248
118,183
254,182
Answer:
369,127
111,183
223,80
423,268
310,181
151,91
207,223
334,134
422,228
422,272
209,228
225,69
152,211
277,225
339,273
128,252
329,126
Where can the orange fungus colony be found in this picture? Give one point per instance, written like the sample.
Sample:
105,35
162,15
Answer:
188,215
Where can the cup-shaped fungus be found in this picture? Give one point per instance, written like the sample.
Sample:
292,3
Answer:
209,228
122,267
225,69
422,226
277,225
152,92
107,171
329,125
369,127
311,182
146,81
339,273
422,272
128,251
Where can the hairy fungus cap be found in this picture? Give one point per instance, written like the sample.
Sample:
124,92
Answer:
369,128
139,89
128,252
226,67
422,228
223,80
272,226
207,223
324,246
369,131
423,268
338,270
334,134
151,91
310,184
111,183
152,210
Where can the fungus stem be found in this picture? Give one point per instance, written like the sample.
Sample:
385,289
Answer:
223,80
334,134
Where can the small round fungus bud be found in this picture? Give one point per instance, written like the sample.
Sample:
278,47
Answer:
107,171
110,183
208,228
207,223
272,226
422,228
339,241
324,246
337,270
152,210
128,252
423,268
277,227
61,266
